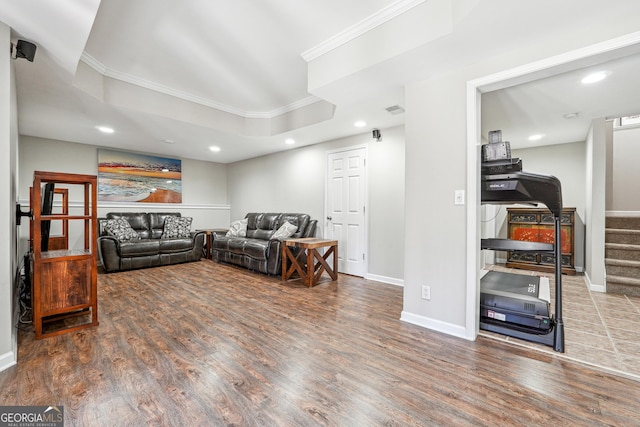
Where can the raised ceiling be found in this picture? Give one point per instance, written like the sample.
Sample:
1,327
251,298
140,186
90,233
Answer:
198,74
243,75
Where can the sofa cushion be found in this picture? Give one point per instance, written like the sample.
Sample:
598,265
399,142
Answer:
236,244
256,248
139,221
269,221
177,227
238,228
156,222
262,225
120,229
285,231
299,220
168,246
141,247
261,234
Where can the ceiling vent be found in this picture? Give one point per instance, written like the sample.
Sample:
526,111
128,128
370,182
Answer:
395,109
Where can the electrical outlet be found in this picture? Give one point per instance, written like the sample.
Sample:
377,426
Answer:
426,292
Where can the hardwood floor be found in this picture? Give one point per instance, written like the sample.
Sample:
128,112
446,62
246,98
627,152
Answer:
204,344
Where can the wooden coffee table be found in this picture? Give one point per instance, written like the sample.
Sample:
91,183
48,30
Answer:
316,263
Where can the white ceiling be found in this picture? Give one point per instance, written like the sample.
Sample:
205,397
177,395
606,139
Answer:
244,59
540,106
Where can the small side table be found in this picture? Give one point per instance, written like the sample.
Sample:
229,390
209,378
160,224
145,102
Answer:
316,263
209,233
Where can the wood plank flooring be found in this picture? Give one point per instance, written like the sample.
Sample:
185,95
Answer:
205,344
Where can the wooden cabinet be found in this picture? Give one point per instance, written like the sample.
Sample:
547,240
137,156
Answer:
537,225
64,282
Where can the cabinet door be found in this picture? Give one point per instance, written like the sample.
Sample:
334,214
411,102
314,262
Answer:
63,285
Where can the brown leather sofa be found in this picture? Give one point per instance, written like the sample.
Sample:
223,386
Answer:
150,250
258,251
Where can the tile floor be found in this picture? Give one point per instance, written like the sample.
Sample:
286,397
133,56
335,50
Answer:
601,330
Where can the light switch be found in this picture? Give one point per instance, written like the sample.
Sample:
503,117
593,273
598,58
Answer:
458,197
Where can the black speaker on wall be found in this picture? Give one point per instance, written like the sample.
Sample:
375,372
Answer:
26,50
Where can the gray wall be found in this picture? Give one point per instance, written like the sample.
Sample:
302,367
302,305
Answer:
294,181
626,169
204,184
8,237
436,239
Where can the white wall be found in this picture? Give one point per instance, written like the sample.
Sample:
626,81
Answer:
8,254
436,155
204,185
294,181
595,200
626,170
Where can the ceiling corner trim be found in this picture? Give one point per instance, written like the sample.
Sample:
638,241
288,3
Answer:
311,99
93,63
367,24
147,84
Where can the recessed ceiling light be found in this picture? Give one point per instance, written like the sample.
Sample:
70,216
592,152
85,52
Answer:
289,141
571,115
168,141
594,77
214,148
536,137
360,124
104,129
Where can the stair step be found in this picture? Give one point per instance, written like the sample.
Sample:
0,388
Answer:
622,251
622,236
623,280
623,285
622,262
625,222
622,268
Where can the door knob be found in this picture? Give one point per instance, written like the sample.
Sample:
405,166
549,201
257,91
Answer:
329,218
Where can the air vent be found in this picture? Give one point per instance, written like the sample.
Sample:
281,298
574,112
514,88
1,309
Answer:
395,109
529,307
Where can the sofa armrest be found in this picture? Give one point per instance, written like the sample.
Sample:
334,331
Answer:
109,253
274,260
310,231
198,244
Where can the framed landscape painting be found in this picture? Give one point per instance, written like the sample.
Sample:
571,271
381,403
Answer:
131,177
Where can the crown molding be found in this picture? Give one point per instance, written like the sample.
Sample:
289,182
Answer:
147,84
287,108
355,31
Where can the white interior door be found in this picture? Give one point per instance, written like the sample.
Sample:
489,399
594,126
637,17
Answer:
346,207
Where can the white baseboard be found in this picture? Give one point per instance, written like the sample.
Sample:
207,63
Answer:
594,287
436,325
384,279
7,360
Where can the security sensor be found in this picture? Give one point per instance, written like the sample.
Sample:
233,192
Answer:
26,50
376,134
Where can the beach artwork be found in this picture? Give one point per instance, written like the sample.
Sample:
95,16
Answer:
130,177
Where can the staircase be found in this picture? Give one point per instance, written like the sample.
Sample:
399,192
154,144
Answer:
622,255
